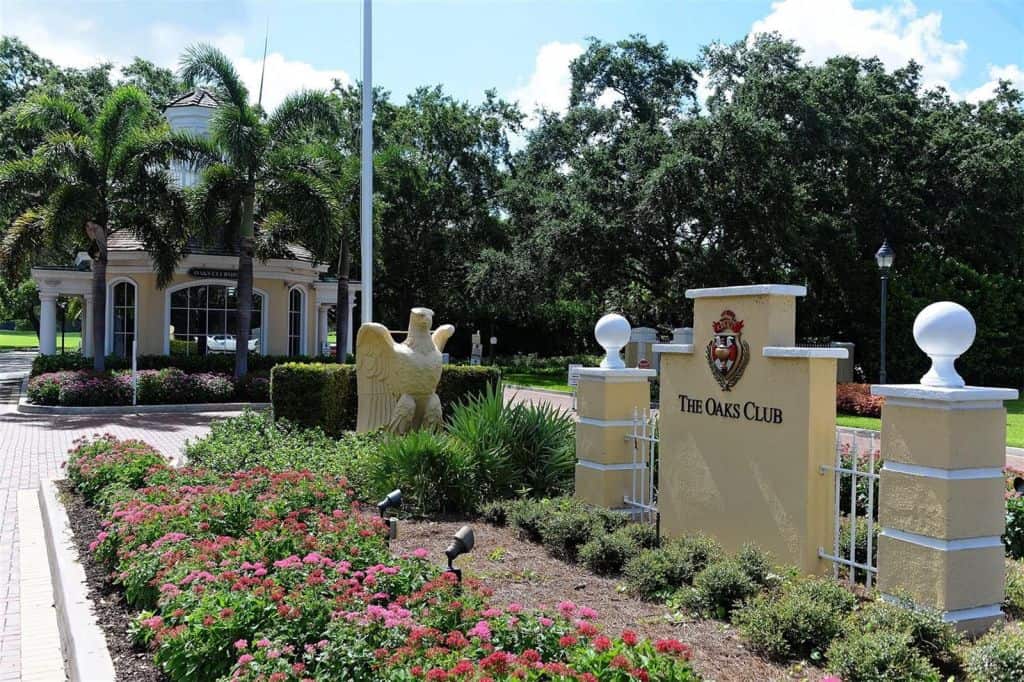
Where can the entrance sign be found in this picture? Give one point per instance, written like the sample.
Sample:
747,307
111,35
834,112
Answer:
747,422
210,273
574,375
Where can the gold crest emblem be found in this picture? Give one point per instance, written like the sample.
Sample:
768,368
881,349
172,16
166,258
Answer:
727,352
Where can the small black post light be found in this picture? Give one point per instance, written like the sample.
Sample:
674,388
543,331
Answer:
461,544
885,257
392,500
1018,485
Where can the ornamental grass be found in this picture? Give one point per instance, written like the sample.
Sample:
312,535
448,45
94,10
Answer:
255,575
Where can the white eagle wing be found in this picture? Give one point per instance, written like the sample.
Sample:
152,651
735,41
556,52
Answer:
376,376
441,335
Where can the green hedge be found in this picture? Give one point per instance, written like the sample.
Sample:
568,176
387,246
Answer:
214,362
324,395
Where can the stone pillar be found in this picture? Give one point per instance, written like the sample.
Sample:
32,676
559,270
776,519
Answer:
607,398
641,341
941,504
87,325
47,323
348,309
321,329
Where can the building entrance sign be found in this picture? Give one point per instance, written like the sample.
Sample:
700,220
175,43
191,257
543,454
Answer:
210,273
751,424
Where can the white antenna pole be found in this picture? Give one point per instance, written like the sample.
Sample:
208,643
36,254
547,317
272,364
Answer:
366,161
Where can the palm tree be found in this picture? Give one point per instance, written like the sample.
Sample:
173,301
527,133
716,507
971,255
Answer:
88,178
226,199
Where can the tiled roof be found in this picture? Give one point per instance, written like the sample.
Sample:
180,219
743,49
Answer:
194,98
121,241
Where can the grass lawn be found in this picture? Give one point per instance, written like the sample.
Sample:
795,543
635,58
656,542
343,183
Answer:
1014,423
553,382
9,340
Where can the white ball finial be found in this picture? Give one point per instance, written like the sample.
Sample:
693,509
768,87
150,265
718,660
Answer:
612,332
944,331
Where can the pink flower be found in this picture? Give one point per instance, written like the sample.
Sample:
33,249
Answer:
263,643
481,630
241,644
245,659
420,553
566,608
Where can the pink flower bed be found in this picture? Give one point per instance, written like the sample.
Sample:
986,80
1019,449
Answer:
264,576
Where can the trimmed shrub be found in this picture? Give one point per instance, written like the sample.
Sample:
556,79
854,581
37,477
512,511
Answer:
527,516
254,439
606,553
1014,602
998,656
155,387
654,573
563,532
1014,537
312,394
719,589
324,395
45,388
756,563
856,399
212,362
879,656
254,387
934,639
796,621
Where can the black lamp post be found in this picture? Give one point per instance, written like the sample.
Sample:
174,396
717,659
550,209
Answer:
885,257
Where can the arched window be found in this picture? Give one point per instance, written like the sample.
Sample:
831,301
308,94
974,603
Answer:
203,320
296,322
122,318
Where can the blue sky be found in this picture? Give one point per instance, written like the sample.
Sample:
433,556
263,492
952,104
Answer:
519,47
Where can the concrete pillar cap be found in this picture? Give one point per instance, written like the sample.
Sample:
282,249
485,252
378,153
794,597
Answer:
612,333
944,331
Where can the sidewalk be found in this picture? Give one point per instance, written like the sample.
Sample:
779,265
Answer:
32,447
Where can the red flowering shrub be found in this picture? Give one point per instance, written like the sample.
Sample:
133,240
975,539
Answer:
262,576
155,386
79,388
856,399
104,462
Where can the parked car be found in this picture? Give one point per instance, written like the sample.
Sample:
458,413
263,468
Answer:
225,343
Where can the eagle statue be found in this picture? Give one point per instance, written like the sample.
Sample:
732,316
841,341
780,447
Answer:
397,382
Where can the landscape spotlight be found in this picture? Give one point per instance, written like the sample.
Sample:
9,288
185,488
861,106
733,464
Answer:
392,501
461,544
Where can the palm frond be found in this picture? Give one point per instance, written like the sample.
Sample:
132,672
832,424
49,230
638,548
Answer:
158,146
314,111
240,134
215,203
161,223
68,208
70,154
204,64
24,237
43,113
307,205
25,181
126,109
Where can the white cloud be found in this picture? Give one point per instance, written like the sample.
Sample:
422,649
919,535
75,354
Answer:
550,83
1010,72
895,34
71,41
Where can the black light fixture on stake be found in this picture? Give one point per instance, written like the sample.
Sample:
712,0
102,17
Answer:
392,500
461,544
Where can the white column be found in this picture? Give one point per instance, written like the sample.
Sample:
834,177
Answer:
87,325
321,327
351,305
47,323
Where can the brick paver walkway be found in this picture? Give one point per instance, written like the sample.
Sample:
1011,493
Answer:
33,447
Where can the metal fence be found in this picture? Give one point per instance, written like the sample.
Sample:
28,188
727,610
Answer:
643,493
855,477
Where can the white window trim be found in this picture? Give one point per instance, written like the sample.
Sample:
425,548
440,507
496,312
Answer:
223,282
108,341
302,319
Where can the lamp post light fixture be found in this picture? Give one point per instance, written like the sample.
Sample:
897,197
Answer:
392,500
885,257
461,544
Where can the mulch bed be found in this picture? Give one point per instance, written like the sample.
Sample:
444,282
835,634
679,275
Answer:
517,571
112,612
521,571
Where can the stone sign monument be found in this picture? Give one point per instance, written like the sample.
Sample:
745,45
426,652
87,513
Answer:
747,422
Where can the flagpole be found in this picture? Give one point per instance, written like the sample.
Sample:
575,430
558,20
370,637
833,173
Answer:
366,162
